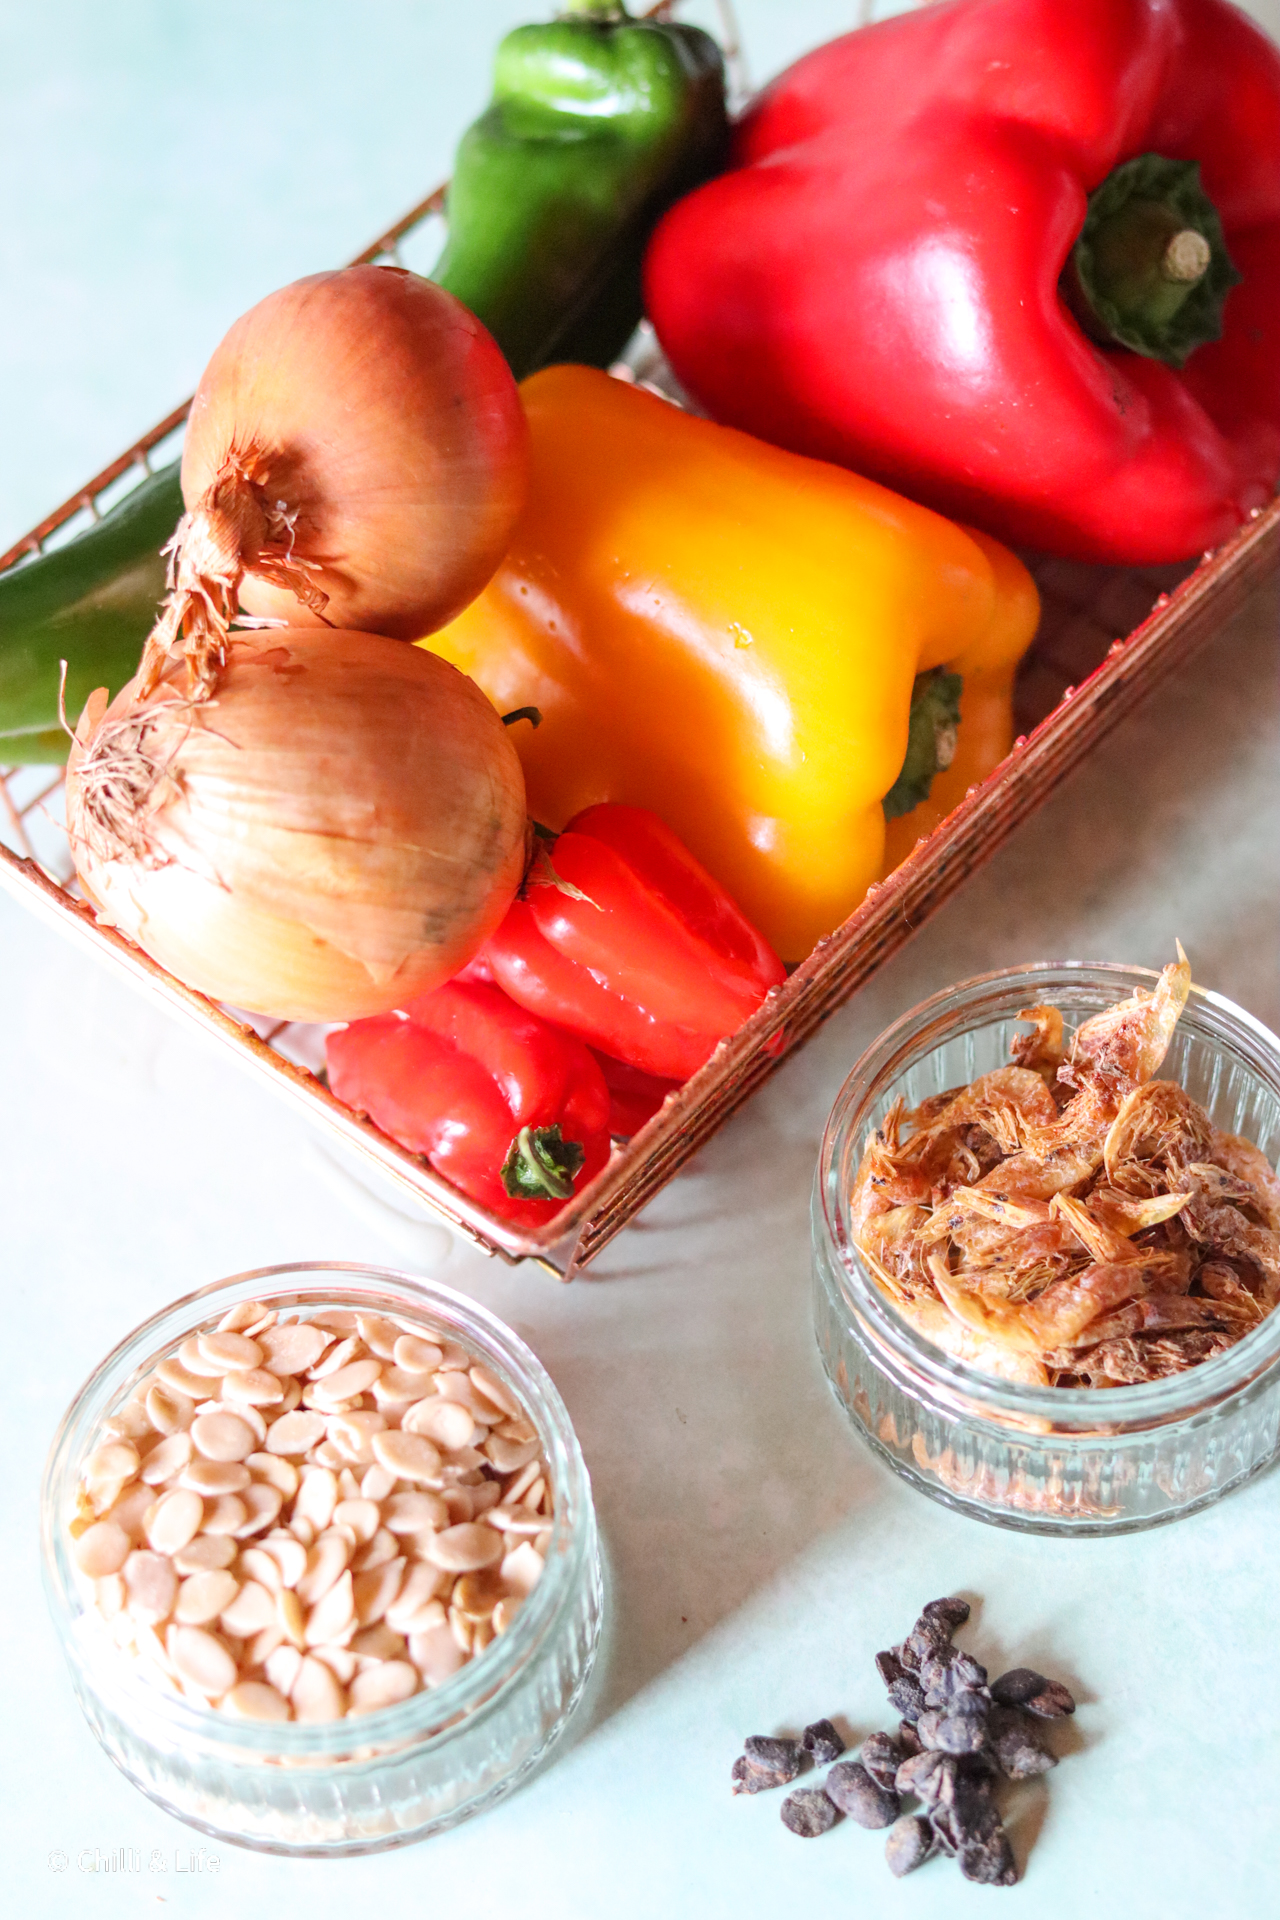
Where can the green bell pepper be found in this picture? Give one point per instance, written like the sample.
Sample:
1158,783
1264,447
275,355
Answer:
91,603
597,124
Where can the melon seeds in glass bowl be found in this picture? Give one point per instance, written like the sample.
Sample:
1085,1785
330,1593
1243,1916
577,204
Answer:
301,1516
315,1528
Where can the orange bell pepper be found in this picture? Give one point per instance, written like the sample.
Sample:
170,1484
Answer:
730,634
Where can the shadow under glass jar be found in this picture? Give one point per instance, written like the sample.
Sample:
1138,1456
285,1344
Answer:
1041,1459
355,1785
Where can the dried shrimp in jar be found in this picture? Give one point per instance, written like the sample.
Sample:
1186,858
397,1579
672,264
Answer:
1071,1220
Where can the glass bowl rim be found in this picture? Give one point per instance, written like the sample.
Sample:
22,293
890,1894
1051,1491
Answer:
477,1690
1086,1413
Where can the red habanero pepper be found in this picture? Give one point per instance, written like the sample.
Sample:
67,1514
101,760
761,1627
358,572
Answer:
625,939
512,1111
1018,258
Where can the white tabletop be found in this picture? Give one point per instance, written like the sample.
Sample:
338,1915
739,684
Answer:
163,167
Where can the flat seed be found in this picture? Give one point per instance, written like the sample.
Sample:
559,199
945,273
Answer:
245,1314
361,1516
291,1616
443,1421
513,1519
262,1504
130,1423
168,1458
255,1387
255,1700
505,1612
507,1455
379,1335
375,1590
222,1436
109,1594
193,1359
326,1561
317,1497
475,1595
252,1608
379,1643
193,1386
207,1553
416,1355
465,1548
422,1584
292,1349
204,1596
169,1412
436,1654
253,1417
101,1549
276,1471
486,1495
281,1668
346,1383
397,1387
340,1661
295,1432
462,1629
522,1568
174,1520
230,1352
382,1686
224,1514
535,1497
151,1587
201,1660
257,1564
214,1476
332,1614
514,1494
375,1553
337,1357
316,1694
117,1461
407,1455
485,1381
459,1503
289,1555
302,1530
414,1512
377,1484
520,1430
131,1509
326,1455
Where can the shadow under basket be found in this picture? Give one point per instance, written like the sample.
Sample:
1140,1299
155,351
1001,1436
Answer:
1041,1459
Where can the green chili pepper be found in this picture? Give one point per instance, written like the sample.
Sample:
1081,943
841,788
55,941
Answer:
597,123
91,603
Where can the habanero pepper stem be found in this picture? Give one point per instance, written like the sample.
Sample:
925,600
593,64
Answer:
514,1112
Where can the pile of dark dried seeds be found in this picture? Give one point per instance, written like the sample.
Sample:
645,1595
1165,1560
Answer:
958,1737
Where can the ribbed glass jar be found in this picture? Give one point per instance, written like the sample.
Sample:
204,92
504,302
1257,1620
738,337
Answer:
351,1785
1042,1459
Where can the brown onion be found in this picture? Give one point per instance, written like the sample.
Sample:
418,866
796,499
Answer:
355,456
340,827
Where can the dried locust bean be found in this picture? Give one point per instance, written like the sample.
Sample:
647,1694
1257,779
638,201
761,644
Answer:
821,1742
1024,1687
851,1788
808,1812
910,1842
1016,1744
882,1755
779,1758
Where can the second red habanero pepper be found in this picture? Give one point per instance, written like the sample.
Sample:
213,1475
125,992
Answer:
512,1111
1018,258
621,936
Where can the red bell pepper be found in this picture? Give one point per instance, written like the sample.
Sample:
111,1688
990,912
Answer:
891,273
512,1111
624,938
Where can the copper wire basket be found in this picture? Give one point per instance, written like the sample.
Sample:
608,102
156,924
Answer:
1107,635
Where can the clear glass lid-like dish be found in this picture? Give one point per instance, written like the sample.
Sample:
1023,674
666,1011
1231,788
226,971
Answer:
357,1784
1043,1459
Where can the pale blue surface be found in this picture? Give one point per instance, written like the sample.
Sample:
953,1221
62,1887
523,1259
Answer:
163,165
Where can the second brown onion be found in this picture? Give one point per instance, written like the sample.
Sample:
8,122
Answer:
339,828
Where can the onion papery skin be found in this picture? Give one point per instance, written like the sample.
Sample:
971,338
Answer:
388,423
332,833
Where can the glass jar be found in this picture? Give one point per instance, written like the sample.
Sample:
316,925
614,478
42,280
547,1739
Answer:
1042,1459
359,1784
